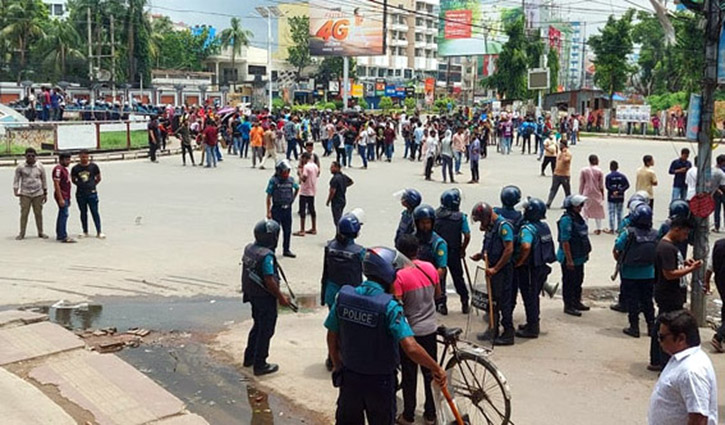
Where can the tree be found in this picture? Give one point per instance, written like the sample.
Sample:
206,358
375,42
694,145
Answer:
331,68
552,59
138,32
512,64
386,103
235,37
410,104
25,22
611,47
298,55
60,45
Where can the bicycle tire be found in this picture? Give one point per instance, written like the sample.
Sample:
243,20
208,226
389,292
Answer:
489,403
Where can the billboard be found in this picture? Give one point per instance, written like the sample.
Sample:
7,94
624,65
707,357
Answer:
354,29
470,27
633,113
538,79
693,116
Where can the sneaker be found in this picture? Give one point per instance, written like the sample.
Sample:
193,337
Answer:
83,235
101,236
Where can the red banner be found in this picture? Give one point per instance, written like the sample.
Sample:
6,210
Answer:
430,84
555,39
489,65
458,24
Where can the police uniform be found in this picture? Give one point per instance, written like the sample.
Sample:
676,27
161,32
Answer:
516,219
406,226
637,248
257,263
433,250
342,266
502,282
573,229
283,194
451,225
370,325
532,275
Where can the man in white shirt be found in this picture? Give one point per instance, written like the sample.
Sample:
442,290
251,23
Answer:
691,181
686,392
431,150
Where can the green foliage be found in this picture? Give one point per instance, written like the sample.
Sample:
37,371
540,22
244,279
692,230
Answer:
182,49
441,105
25,23
338,105
410,103
386,103
299,52
331,105
553,64
331,68
363,103
512,64
611,47
235,37
278,103
660,102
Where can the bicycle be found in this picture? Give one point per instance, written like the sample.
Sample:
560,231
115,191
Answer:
479,389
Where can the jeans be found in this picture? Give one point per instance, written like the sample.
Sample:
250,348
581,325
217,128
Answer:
679,192
210,155
573,138
615,214
457,157
86,202
639,298
62,221
283,216
428,167
409,371
506,146
291,148
237,145
539,146
218,152
557,181
389,151
408,148
447,162
719,200
363,151
474,170
264,314
257,154
348,154
370,152
184,150
244,147
572,285
526,142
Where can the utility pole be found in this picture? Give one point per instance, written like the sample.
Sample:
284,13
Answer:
345,81
704,148
269,60
113,61
90,56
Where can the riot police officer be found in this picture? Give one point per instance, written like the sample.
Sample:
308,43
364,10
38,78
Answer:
281,193
510,197
573,253
342,262
452,225
432,248
366,327
260,288
634,251
532,266
498,249
410,199
638,198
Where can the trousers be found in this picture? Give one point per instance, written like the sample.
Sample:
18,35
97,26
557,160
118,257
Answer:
557,181
87,202
61,222
283,216
36,202
639,298
572,285
361,396
264,314
410,379
501,290
530,281
455,270
656,355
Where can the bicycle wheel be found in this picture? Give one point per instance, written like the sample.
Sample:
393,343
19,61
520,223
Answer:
479,389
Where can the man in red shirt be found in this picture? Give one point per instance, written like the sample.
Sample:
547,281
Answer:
61,183
209,134
389,134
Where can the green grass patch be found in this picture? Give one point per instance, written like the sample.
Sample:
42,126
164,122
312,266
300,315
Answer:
117,139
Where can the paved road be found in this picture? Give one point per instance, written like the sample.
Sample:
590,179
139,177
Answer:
176,230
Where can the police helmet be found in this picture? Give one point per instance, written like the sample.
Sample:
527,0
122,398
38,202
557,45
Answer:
348,226
510,196
572,201
451,199
642,216
640,196
412,198
535,210
282,166
482,212
266,233
679,209
379,265
424,211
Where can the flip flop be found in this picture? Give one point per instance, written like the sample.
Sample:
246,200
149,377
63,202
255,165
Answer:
298,234
311,232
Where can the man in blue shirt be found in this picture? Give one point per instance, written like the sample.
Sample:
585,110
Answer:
679,168
498,249
245,128
634,251
573,253
616,184
365,329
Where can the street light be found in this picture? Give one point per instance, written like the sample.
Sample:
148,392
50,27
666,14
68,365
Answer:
268,12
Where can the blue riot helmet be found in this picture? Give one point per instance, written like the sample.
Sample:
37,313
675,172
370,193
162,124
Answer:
640,196
381,264
266,233
282,166
535,210
510,196
573,201
423,212
642,216
679,209
411,198
451,199
349,226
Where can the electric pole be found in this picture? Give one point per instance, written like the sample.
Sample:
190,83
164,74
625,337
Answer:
704,148
90,55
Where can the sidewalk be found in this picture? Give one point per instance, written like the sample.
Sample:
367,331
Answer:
48,377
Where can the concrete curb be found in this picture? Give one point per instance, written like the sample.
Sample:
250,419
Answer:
97,157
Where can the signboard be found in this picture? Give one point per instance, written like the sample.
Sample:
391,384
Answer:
389,90
379,87
538,79
693,117
430,84
410,91
721,56
357,90
496,107
555,39
346,29
460,31
633,113
333,88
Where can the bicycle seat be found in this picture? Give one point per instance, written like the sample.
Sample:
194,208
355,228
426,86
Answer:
449,333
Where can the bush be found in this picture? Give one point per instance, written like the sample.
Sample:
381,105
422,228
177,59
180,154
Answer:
410,103
363,103
331,106
660,102
278,103
441,105
386,103
338,105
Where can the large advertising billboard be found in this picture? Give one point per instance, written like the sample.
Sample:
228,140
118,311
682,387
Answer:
469,28
354,29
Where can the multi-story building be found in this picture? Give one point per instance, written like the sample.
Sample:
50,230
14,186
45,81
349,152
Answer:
57,8
577,56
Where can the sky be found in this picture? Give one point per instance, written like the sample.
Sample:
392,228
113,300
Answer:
218,12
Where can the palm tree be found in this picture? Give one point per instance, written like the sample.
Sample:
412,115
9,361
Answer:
60,45
159,28
24,22
235,37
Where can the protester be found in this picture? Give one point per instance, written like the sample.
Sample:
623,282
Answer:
591,185
647,179
679,168
30,186
562,174
307,173
616,184
62,185
87,176
336,198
